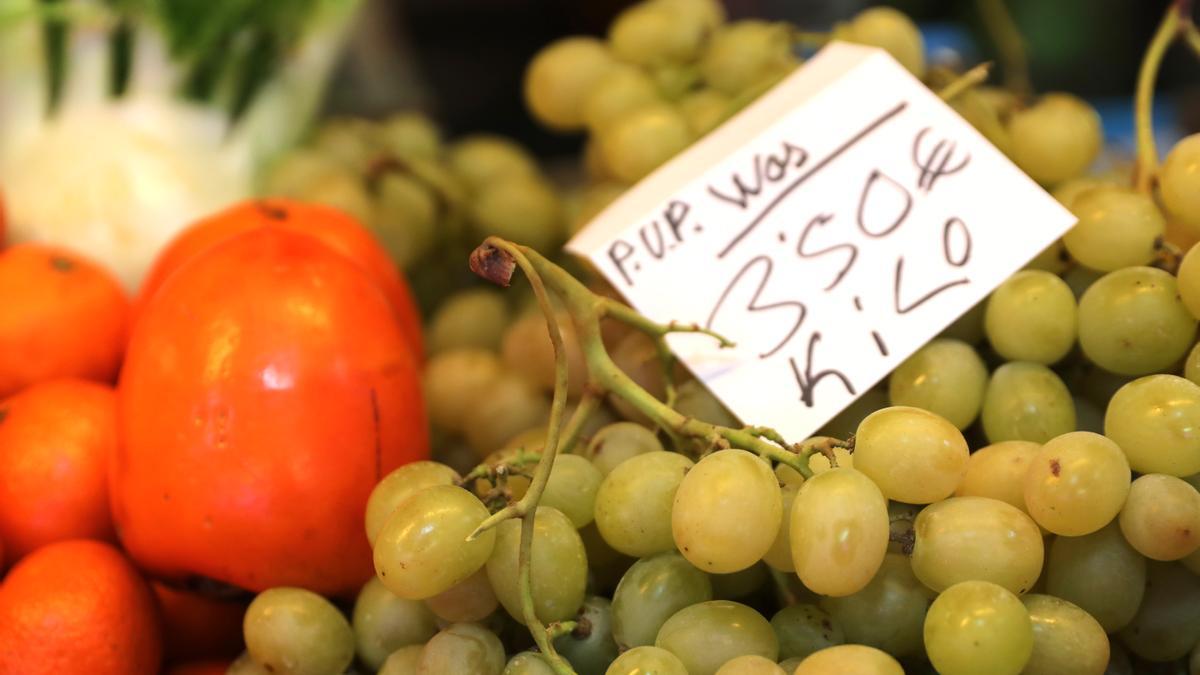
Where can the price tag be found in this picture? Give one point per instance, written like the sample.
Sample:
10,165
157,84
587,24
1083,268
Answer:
830,230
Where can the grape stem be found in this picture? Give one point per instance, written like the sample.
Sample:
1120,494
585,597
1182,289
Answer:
1010,46
1177,17
972,78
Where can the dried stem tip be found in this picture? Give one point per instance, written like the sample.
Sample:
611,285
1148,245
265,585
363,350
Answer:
493,264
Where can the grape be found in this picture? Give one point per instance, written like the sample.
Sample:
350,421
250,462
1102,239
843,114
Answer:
694,400
727,511
244,665
890,30
945,377
528,663
1167,624
913,455
523,209
998,471
1155,420
482,159
593,200
744,53
472,318
527,350
1179,181
706,635
559,78
819,463
1066,639
849,660
791,478
1068,191
558,567
845,423
617,442
619,92
1055,139
1076,483
572,488
705,110
508,407
649,34
403,661
978,628
839,532
451,381
740,584
411,135
1188,280
1100,573
779,556
1031,317
637,356
467,602
710,13
605,565
889,613
295,631
384,623
969,326
590,647
300,169
1026,402
790,665
1118,227
976,538
645,661
399,485
803,629
639,141
405,215
633,505
651,591
750,664
422,550
1052,259
462,648
1161,517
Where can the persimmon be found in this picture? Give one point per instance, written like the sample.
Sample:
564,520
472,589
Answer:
56,439
332,227
266,389
196,626
61,315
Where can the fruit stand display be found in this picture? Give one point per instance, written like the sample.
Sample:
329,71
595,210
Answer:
318,397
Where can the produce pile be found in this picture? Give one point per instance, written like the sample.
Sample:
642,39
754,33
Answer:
333,432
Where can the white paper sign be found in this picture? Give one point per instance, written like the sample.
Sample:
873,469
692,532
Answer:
830,230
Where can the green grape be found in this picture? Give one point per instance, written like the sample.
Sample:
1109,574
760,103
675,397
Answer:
639,141
649,34
839,532
1179,183
593,200
694,400
675,80
1156,421
744,53
804,629
1188,280
1076,483
404,217
524,209
969,326
384,623
849,660
296,172
727,511
1161,517
790,665
462,648
528,663
651,591
976,538
1068,191
710,13
474,318
1167,624
558,567
634,503
403,661
1099,572
890,30
705,110
617,442
913,455
845,423
590,650
646,661
297,632
351,141
527,349
451,381
619,92
422,550
469,601
1052,259
819,463
508,407
1118,227
779,556
706,635
572,488
1055,139
606,565
244,665
482,159
945,377
637,356
740,584
750,664
888,614
978,628
1066,639
1026,402
399,485
410,134
1031,317
790,478
998,471
559,78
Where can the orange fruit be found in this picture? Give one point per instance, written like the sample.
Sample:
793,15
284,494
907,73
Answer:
196,626
56,440
60,315
77,606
